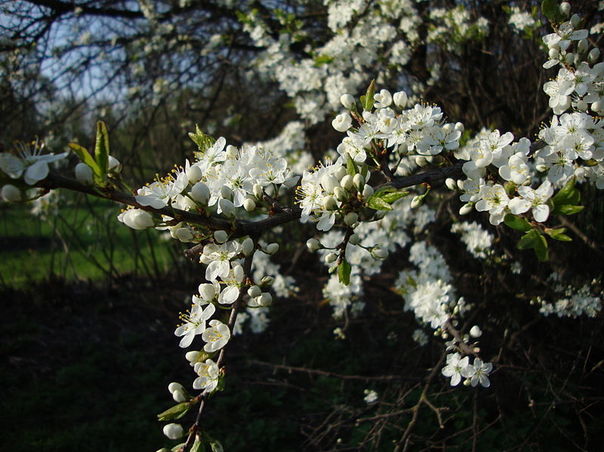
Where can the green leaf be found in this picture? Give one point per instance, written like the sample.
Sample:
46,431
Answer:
567,195
382,198
551,10
320,60
101,151
569,210
85,157
541,248
175,412
558,234
377,203
351,167
197,446
528,240
516,222
367,100
344,272
202,140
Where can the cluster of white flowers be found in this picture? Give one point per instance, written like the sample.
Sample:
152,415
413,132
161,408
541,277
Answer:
477,239
520,20
573,302
459,367
453,27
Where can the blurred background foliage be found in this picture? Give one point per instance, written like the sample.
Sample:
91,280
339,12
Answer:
89,306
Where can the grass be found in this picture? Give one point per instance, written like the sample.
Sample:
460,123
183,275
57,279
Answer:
82,241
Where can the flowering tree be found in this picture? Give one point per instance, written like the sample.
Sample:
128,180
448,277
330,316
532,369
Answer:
398,162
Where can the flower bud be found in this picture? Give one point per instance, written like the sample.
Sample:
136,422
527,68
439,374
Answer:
193,356
358,181
137,219
226,206
330,258
254,291
475,331
350,218
10,193
346,182
249,205
206,291
582,46
258,192
265,300
451,183
226,192
367,191
379,253
400,99
347,101
194,174
83,173
114,164
221,236
570,58
553,53
416,201
565,8
174,386
596,106
173,431
200,193
330,203
340,194
594,55
342,122
313,245
421,161
354,239
340,173
272,248
247,246
179,396
575,20
182,234
465,209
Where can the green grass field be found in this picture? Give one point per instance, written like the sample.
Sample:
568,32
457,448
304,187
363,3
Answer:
83,241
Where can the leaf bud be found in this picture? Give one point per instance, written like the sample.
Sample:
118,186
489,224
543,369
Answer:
83,173
565,8
358,181
267,280
247,246
331,258
465,209
313,245
346,182
173,431
347,101
249,205
254,291
221,236
367,191
200,193
194,174
271,248
350,218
